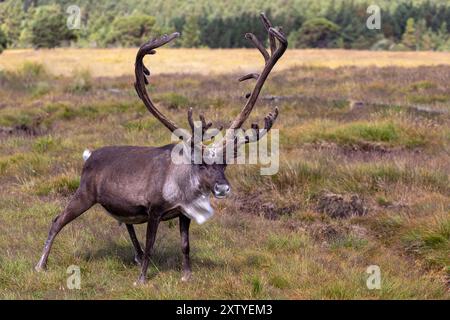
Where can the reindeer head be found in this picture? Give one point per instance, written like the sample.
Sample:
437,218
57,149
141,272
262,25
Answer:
209,161
212,178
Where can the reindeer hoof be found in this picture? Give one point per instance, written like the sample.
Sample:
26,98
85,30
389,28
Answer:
40,268
186,276
140,282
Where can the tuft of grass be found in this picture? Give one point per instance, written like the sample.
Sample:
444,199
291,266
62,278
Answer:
349,242
41,88
257,260
173,100
82,82
29,76
385,132
423,85
141,124
10,117
63,185
388,225
375,177
33,70
26,164
428,99
382,201
44,144
292,242
257,286
431,242
377,132
279,282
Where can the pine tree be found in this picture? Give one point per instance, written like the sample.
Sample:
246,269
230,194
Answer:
442,33
427,41
48,27
422,35
443,38
409,36
191,33
11,20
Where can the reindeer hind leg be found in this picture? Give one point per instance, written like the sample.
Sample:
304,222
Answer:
80,203
137,247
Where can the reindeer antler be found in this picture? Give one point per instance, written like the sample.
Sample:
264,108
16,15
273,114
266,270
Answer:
276,51
141,80
141,73
270,60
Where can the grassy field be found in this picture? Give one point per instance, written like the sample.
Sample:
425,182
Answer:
374,127
117,62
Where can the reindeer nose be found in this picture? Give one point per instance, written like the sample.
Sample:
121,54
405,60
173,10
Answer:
221,190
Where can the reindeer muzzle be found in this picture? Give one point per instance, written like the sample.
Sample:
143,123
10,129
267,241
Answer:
221,190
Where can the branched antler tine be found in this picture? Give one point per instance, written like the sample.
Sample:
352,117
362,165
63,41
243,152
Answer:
146,71
258,45
277,50
269,120
205,126
141,71
267,24
255,128
203,120
279,35
249,76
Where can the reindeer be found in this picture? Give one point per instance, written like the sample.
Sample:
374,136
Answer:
145,185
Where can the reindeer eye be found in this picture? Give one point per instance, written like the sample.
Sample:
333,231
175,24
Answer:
202,167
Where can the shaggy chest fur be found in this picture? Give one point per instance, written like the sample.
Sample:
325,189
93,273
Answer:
183,190
199,209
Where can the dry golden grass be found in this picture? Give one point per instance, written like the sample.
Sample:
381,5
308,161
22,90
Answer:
118,62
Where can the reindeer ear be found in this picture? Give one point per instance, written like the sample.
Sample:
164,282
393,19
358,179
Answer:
181,154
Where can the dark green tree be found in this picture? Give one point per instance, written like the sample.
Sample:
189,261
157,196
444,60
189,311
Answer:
317,33
409,38
11,18
131,30
3,41
49,28
191,32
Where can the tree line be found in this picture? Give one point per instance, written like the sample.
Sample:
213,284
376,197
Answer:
418,25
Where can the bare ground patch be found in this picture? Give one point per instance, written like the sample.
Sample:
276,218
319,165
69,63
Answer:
20,130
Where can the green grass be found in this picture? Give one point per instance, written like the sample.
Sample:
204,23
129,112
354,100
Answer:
432,243
383,132
61,185
173,100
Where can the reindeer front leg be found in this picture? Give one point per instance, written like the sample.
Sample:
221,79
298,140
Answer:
152,228
184,232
